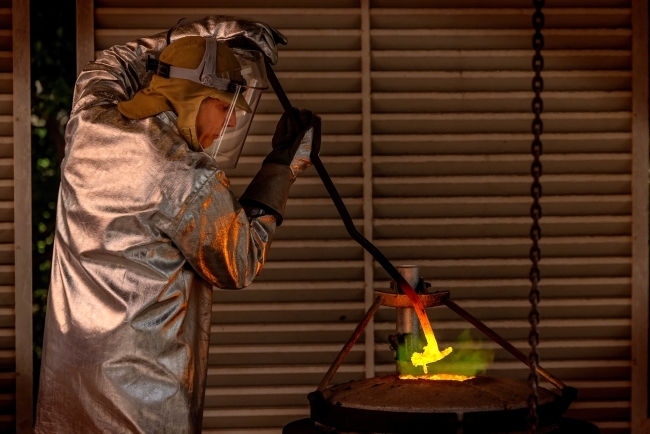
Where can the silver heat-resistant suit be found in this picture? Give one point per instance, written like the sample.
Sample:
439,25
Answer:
145,228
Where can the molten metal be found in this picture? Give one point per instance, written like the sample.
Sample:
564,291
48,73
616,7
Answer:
448,377
431,352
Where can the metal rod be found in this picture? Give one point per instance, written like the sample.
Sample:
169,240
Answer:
501,341
333,192
380,258
348,346
282,96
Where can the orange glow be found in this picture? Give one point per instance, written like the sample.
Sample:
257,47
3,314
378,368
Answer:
448,377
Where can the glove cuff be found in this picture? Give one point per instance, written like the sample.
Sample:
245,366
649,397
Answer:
270,188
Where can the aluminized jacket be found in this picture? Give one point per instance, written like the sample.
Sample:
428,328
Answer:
145,227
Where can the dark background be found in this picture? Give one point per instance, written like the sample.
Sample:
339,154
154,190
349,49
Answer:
53,76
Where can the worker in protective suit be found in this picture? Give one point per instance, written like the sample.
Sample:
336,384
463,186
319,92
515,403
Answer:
147,224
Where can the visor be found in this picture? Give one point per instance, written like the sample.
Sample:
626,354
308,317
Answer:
239,78
226,148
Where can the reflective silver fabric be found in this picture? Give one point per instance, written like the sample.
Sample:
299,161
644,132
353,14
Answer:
301,160
145,227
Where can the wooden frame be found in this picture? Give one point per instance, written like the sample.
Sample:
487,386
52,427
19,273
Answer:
22,156
639,215
85,33
366,146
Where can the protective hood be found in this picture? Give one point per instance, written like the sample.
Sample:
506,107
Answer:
183,96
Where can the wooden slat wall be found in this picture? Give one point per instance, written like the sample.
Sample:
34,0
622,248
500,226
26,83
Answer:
15,220
22,214
469,130
427,136
451,159
7,298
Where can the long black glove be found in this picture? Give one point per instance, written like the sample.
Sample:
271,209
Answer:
289,157
292,143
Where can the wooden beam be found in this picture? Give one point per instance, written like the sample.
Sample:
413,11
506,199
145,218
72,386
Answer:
85,33
22,215
366,146
639,215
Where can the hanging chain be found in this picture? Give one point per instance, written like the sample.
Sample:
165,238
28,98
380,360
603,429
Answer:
536,214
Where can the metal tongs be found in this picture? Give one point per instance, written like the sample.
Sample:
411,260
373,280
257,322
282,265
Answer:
568,393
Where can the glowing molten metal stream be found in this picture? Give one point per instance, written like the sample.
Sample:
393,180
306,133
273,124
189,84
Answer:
431,352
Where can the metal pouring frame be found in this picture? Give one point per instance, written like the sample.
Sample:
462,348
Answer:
391,299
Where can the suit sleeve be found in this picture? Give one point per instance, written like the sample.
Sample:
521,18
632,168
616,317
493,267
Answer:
223,245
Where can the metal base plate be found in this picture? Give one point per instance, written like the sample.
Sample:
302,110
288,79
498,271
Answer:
565,426
390,405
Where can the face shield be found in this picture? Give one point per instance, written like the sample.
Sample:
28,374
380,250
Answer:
227,147
238,78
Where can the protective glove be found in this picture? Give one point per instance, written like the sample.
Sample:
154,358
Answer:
292,143
290,156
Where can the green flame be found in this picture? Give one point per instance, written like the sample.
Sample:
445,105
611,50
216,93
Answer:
468,357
